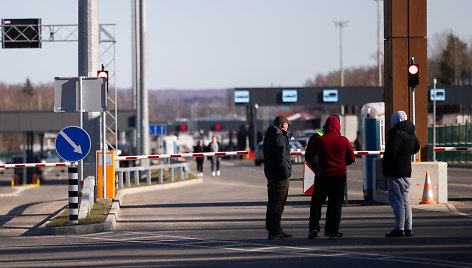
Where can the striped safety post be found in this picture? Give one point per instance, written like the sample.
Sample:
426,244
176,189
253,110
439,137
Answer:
73,195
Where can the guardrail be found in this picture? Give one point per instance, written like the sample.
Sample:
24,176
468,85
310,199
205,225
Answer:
125,173
182,168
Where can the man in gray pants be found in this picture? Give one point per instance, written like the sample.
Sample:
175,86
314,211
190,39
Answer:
402,143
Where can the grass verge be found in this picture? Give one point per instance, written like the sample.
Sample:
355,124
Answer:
98,214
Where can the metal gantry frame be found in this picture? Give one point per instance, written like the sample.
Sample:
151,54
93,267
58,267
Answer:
70,33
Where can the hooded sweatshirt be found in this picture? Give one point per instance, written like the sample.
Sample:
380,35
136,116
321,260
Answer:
334,151
402,143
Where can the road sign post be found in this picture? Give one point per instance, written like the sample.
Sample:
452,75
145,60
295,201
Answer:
73,144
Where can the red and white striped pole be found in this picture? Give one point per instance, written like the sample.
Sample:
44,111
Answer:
165,156
355,152
453,149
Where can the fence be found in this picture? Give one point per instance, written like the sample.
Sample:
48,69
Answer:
182,168
124,173
451,136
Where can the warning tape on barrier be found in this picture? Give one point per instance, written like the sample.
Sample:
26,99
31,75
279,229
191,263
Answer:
63,164
355,152
451,149
164,156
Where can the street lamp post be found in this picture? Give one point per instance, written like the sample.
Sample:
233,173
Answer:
379,33
341,25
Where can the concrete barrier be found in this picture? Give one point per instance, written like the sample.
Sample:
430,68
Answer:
437,172
87,200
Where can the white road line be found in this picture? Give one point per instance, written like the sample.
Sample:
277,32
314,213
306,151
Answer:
267,248
16,191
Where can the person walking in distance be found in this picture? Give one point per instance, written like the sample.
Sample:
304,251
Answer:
215,146
200,148
334,154
402,143
277,170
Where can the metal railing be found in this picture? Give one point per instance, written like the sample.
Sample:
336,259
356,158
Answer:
124,173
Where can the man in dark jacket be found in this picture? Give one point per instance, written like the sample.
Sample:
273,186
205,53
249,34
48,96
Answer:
334,154
402,143
277,169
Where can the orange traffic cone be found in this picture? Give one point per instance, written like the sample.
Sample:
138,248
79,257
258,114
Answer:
428,191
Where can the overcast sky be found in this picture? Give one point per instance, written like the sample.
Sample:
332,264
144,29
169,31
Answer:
212,44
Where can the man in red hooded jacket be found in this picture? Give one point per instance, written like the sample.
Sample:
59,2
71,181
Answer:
334,154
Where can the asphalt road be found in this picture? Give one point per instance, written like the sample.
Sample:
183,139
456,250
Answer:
220,222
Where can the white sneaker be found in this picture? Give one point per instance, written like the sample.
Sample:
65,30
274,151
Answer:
218,173
213,173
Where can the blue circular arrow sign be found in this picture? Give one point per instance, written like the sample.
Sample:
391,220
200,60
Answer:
72,144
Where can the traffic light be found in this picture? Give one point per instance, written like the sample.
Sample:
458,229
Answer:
216,127
413,75
183,128
103,74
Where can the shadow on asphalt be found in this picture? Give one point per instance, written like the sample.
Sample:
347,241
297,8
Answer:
43,182
463,199
245,204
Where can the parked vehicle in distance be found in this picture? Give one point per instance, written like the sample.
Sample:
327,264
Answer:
295,146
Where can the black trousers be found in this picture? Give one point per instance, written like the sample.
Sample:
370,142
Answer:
333,189
277,191
200,164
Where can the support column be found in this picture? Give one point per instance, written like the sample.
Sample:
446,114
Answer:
406,37
89,62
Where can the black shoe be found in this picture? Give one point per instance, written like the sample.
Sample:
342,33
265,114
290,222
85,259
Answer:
313,234
279,236
408,233
396,233
334,236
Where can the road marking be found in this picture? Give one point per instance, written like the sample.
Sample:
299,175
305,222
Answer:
180,241
16,191
459,185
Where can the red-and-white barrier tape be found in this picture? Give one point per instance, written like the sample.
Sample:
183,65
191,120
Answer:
355,152
164,156
453,149
63,164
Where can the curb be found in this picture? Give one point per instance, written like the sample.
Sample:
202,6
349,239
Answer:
112,218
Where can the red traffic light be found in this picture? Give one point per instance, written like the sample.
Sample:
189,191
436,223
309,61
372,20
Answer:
217,127
413,69
413,75
102,74
183,128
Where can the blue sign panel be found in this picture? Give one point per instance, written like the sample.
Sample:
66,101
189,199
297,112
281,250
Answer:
440,94
241,96
156,130
72,144
330,95
289,95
